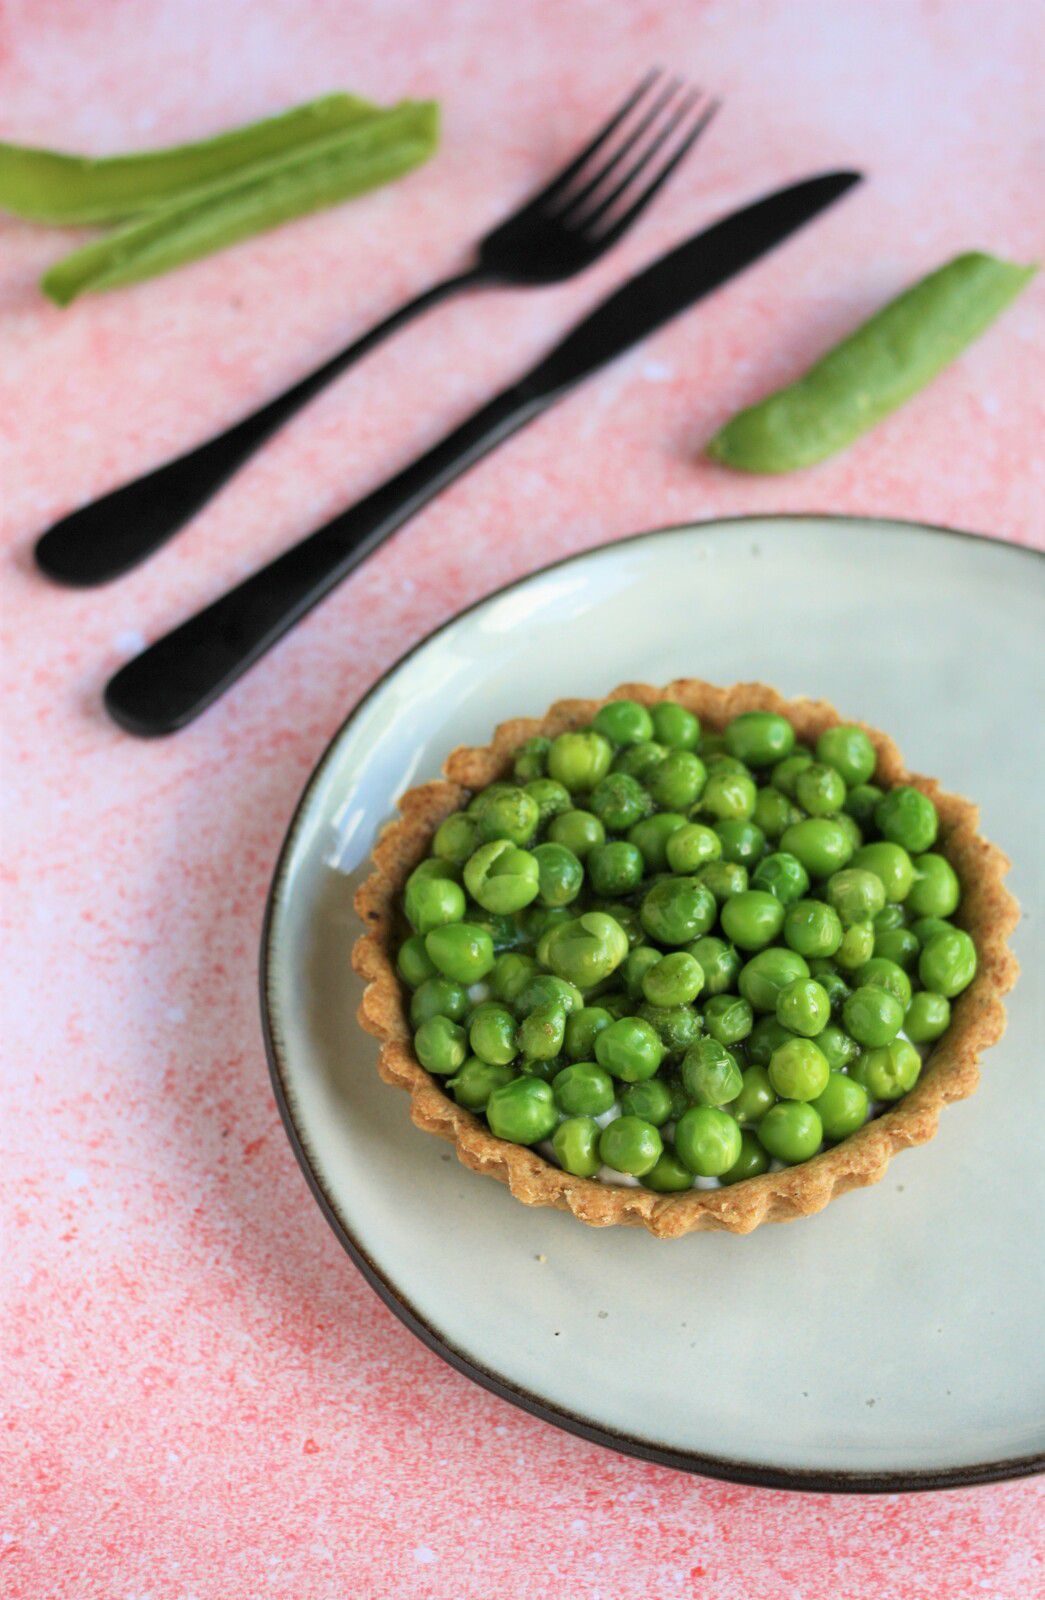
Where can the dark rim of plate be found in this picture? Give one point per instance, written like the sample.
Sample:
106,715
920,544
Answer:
710,1466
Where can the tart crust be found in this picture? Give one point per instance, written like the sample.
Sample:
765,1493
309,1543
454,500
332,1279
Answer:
987,911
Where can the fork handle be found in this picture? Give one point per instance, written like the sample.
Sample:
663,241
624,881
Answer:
110,535
173,680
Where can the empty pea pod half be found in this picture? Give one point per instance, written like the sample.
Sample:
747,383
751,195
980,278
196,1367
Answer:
872,372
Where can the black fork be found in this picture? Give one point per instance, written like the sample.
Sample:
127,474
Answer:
583,211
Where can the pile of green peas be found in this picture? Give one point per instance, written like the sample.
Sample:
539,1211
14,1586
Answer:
678,957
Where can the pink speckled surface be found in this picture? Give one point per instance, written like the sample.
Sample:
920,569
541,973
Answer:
201,1398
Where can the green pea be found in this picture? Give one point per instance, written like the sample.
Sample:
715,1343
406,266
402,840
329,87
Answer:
668,1176
615,868
785,773
638,760
413,962
712,744
675,1026
691,846
760,738
522,1111
872,1016
728,1018
579,761
889,862
898,945
440,1045
753,919
678,781
812,928
630,1049
620,801
623,722
889,918
820,843
935,891
630,1144
673,980
475,1082
836,1045
541,1033
856,895
728,796
883,974
710,1074
560,874
584,1089
718,961
798,1070
755,1098
545,989
708,1141
750,1163
842,1106
579,831
774,812
635,967
461,951
650,1100
723,879
947,963
509,814
831,981
849,751
869,374
626,916
907,817
804,1007
888,1071
510,975
926,928
782,875
502,878
764,1038
586,950
861,801
438,997
721,762
928,1016
857,946
677,910
576,1145
491,1034
791,1131
534,1067
674,726
431,902
742,842
820,790
551,798
531,759
652,835
456,838
767,973
582,1029
852,831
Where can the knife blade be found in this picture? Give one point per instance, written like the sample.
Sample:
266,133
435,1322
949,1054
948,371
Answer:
178,676
681,277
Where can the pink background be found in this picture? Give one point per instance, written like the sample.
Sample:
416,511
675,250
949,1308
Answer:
201,1396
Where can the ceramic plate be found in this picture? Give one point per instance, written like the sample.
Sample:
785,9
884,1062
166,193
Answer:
893,1341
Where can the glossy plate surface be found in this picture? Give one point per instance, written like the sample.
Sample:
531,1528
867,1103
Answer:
892,1342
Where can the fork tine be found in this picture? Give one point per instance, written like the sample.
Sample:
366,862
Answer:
619,224
640,164
572,201
559,182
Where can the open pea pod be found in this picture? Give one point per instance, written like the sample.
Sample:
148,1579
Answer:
52,186
384,146
873,371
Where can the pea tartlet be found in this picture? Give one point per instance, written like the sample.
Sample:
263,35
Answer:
684,959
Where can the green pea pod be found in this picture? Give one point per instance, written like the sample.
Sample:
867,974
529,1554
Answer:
51,186
360,158
874,371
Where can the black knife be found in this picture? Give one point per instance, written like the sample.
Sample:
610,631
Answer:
176,678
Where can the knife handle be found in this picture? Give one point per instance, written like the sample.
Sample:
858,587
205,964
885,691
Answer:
186,670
